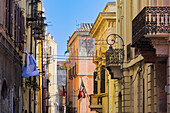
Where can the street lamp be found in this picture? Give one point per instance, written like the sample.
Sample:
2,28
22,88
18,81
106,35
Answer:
114,57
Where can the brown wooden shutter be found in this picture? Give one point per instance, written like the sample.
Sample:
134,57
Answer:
129,52
7,14
19,23
11,17
102,79
22,31
95,82
15,23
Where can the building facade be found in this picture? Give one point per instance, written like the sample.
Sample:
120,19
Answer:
61,82
34,34
103,98
52,73
11,48
143,25
80,67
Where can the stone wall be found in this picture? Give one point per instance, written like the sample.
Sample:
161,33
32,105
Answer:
10,76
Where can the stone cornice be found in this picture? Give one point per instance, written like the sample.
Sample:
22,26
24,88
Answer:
75,34
100,19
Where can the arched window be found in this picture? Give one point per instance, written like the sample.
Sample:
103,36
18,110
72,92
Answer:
4,91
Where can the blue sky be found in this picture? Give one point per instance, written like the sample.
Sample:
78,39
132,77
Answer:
63,15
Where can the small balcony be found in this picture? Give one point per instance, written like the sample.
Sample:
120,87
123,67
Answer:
150,21
151,25
96,102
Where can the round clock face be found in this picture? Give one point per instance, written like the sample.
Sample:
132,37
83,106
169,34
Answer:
111,39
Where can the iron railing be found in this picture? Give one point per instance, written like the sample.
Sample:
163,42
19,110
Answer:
95,99
151,20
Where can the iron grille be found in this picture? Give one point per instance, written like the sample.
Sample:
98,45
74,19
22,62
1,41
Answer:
151,20
115,57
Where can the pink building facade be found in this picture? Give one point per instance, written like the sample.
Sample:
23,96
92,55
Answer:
81,67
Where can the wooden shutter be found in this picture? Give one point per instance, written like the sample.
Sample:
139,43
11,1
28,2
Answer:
95,82
19,25
16,23
10,17
7,14
22,31
129,52
102,79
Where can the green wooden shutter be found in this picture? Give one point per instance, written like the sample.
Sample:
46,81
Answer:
95,83
102,79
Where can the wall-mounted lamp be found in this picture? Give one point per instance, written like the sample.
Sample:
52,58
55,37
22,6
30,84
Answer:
114,57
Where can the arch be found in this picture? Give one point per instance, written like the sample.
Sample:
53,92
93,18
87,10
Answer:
4,91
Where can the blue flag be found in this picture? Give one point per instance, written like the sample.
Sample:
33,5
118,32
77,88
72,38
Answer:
29,68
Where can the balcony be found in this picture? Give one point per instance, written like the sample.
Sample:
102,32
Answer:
151,20
150,25
96,102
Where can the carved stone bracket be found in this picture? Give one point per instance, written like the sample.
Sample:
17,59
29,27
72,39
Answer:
161,45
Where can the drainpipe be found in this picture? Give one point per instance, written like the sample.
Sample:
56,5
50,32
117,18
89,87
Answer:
108,90
143,95
42,71
12,100
34,78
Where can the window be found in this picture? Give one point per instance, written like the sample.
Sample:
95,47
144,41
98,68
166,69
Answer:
95,82
50,50
4,91
10,17
129,52
102,79
6,14
136,52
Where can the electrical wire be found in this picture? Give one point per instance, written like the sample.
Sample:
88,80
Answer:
138,71
65,55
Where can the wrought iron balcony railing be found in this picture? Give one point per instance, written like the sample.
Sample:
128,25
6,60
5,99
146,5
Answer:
151,20
96,102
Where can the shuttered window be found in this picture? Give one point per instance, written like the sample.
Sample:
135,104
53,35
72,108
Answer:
129,52
10,17
102,79
7,14
95,83
16,23
22,32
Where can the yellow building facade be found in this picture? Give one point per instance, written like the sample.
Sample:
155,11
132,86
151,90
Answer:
32,86
103,99
145,68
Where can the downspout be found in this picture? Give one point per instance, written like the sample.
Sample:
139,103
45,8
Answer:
108,90
143,95
42,71
12,100
34,78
